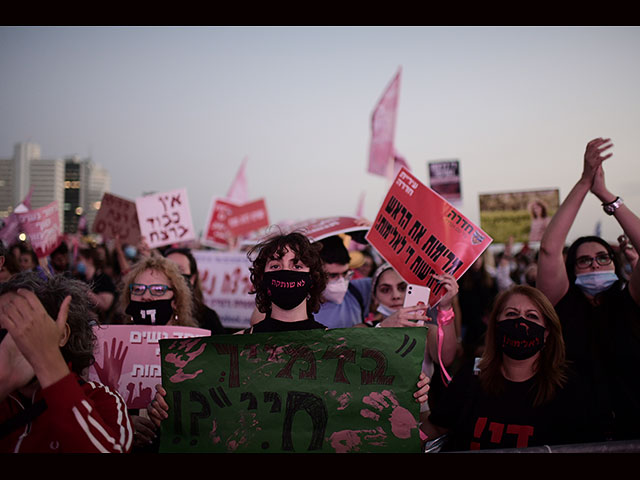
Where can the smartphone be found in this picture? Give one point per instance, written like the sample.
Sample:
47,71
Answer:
417,295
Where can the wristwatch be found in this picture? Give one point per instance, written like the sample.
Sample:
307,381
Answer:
610,208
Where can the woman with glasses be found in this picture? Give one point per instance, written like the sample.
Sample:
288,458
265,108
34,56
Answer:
599,311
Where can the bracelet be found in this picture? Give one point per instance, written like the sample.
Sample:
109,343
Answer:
611,207
445,317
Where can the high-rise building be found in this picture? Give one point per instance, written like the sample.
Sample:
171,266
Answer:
75,184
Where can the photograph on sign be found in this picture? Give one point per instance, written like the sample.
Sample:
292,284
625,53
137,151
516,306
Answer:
521,215
444,179
165,218
421,235
314,391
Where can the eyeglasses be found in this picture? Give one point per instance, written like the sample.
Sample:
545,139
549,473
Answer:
586,261
346,275
156,290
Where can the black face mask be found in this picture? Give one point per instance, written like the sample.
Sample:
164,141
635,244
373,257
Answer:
287,288
519,338
156,312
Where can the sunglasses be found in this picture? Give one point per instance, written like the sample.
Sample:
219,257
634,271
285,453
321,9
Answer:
156,290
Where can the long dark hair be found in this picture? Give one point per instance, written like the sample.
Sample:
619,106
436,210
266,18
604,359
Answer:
307,252
570,262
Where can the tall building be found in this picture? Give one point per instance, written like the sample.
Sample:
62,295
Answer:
75,184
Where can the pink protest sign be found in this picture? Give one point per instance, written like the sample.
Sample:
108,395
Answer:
42,227
319,228
165,218
128,358
421,235
383,125
216,232
248,217
117,217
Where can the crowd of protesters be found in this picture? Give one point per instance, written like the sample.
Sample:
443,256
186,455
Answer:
535,345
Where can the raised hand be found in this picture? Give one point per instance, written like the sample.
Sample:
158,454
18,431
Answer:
594,155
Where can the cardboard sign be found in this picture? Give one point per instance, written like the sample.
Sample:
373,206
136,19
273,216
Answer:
225,284
421,235
117,217
522,215
42,227
128,358
319,228
324,391
444,179
248,217
165,218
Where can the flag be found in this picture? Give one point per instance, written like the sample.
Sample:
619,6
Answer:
383,124
398,162
239,191
360,207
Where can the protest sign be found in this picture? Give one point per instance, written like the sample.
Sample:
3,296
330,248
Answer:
128,358
42,227
444,179
216,232
383,125
225,285
117,217
319,228
248,217
314,391
421,235
165,218
523,215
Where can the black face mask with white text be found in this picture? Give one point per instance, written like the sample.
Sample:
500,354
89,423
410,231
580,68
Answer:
287,288
519,338
156,312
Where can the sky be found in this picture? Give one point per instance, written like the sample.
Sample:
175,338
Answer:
164,108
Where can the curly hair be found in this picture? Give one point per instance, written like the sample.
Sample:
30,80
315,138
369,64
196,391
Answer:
78,351
182,293
551,364
305,251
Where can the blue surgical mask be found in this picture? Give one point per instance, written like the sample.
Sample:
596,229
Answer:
130,251
81,267
595,282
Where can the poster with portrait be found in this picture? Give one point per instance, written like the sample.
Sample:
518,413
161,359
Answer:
523,215
444,179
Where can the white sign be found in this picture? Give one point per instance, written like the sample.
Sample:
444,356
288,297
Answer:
165,218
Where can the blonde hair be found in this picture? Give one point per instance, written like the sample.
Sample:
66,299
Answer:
183,310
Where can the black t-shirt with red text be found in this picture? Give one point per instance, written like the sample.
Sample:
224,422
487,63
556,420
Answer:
479,421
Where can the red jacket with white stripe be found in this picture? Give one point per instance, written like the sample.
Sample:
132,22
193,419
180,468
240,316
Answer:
76,416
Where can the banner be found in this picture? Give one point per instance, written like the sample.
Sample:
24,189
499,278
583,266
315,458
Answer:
42,227
444,179
314,391
117,217
421,235
165,218
319,228
522,215
224,280
383,125
128,358
248,217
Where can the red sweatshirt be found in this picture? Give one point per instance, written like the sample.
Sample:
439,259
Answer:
76,416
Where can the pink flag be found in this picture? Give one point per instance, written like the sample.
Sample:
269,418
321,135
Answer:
398,163
239,191
360,208
383,124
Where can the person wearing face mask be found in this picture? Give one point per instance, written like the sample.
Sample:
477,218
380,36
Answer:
598,309
345,301
521,392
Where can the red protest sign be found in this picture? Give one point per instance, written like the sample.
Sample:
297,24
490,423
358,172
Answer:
117,217
216,232
42,227
319,228
248,217
421,235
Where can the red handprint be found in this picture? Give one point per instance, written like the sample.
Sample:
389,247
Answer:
111,369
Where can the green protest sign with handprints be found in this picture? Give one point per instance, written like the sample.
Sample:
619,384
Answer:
342,390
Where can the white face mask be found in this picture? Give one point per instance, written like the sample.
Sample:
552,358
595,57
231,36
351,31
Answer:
384,310
336,290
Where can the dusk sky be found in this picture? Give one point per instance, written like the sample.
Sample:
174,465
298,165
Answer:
164,108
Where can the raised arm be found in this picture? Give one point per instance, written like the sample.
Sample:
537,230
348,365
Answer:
552,277
629,222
